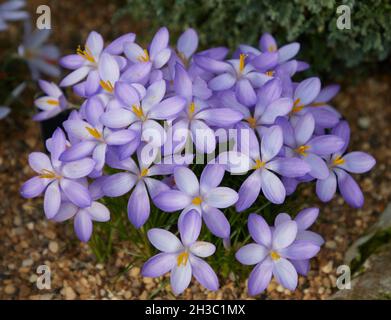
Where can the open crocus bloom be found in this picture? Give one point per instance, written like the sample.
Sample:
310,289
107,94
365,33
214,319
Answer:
182,257
52,104
272,253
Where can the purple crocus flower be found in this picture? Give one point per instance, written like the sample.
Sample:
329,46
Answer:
137,176
93,137
187,45
204,196
304,219
301,143
11,11
271,253
182,257
91,62
52,104
40,57
339,166
305,99
83,217
56,179
142,116
264,161
199,116
234,73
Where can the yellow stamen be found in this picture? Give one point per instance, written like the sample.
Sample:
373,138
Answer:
252,122
197,201
47,174
191,108
242,58
145,57
86,54
274,255
270,73
182,258
138,112
318,104
144,172
302,150
271,48
338,160
259,164
297,106
106,85
93,132
52,102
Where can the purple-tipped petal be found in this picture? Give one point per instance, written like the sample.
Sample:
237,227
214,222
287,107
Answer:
307,90
188,42
309,236
220,117
265,61
67,210
120,137
271,143
167,108
98,212
302,266
342,130
138,205
39,161
72,61
252,253
83,226
326,188
288,51
357,162
260,277
159,264
221,197
267,43
117,46
204,273
78,169
216,222
325,145
76,193
300,250
180,277
245,92
272,187
202,249
211,64
172,200
52,200
222,82
284,234
190,227
94,43
186,181
75,76
285,274
304,129
306,217
319,169
159,41
349,189
33,187
289,167
164,240
126,94
211,176
277,108
117,118
118,184
259,230
327,93
182,83
249,191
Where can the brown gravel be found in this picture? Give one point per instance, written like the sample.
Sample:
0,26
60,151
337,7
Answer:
28,240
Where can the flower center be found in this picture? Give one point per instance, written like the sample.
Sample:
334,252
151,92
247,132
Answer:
191,109
274,255
86,54
93,132
52,102
106,85
242,59
297,106
259,164
183,258
252,122
144,172
302,150
47,174
138,112
196,201
338,160
271,48
145,57
270,73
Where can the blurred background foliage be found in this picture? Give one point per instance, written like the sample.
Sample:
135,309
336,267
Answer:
312,23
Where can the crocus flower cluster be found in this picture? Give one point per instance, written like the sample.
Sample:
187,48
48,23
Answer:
151,112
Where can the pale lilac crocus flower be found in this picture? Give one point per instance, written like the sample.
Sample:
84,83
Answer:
271,253
83,217
204,196
52,104
11,11
183,258
40,57
304,219
57,179
301,142
93,137
137,176
198,116
264,161
340,164
235,74
141,116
